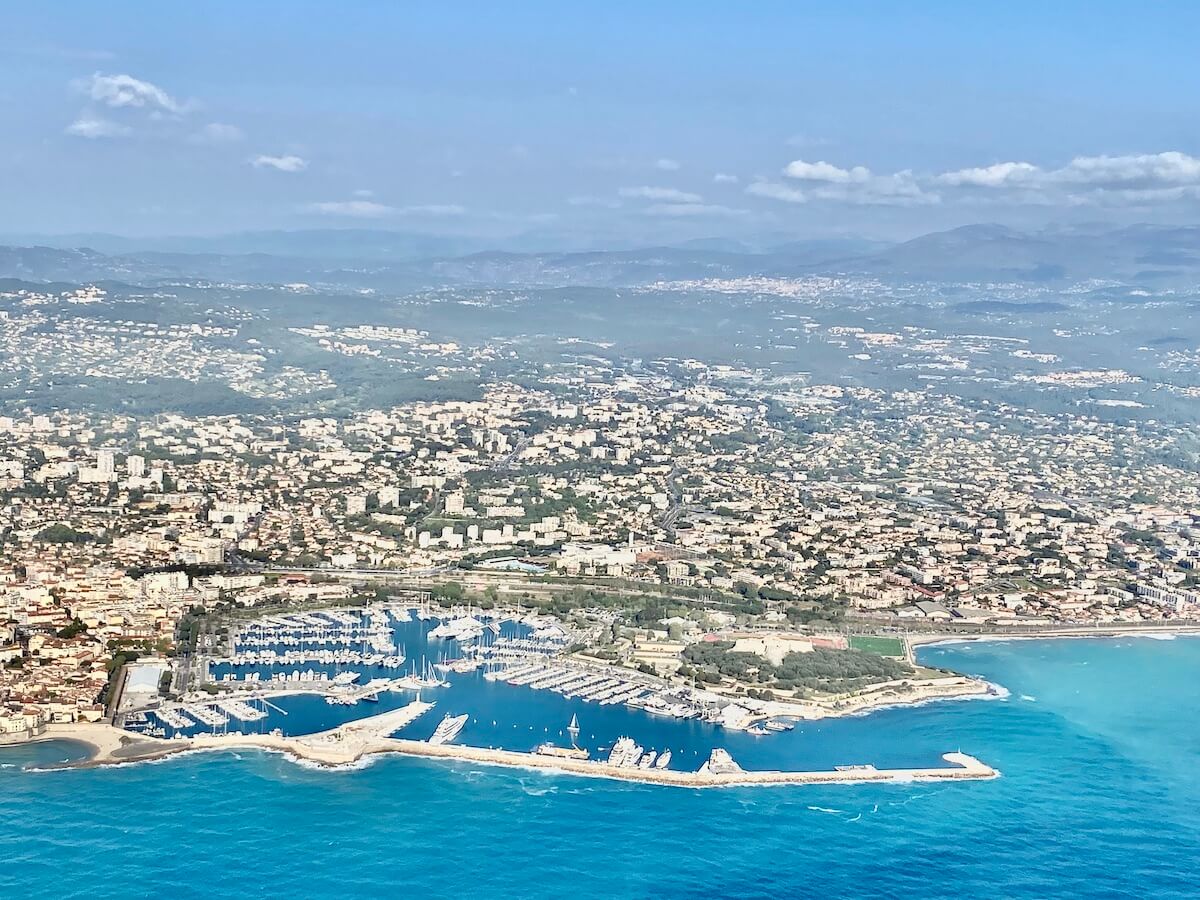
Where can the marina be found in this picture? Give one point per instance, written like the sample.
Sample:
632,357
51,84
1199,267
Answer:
506,689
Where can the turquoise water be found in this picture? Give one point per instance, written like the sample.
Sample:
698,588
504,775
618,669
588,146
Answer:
1098,742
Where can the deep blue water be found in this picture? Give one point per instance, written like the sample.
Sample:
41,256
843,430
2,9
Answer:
520,718
1098,743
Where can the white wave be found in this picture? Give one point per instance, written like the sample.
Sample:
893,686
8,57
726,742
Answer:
996,692
1028,699
826,809
357,766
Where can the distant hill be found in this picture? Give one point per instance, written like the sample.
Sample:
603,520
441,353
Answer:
1137,255
995,252
324,244
74,266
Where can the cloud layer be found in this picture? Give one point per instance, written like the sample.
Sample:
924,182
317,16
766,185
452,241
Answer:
1130,179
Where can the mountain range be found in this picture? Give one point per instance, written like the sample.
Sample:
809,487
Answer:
1152,255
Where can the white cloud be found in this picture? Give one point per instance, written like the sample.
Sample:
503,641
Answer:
990,176
89,126
218,133
370,209
857,185
1133,179
826,172
762,188
669,195
897,189
1136,178
1144,171
684,210
281,163
667,165
126,91
358,209
723,178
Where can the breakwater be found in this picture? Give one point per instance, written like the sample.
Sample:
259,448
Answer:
354,741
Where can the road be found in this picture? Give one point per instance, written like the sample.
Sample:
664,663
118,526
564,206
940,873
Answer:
671,516
508,459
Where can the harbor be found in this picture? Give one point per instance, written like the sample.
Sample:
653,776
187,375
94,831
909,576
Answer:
501,683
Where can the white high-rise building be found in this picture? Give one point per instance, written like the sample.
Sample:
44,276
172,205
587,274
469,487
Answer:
105,462
136,466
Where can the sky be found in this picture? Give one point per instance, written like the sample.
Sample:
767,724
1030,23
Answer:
596,124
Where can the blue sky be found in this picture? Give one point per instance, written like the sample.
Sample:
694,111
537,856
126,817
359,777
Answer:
596,123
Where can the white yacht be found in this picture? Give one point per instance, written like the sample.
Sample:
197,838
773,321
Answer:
625,753
448,729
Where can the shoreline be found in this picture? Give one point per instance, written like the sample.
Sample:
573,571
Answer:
344,747
933,639
352,743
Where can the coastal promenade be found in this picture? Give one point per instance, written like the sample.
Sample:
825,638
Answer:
350,743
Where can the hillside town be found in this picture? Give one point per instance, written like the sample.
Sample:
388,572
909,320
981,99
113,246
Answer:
849,507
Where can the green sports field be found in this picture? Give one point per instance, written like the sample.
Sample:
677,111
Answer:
884,646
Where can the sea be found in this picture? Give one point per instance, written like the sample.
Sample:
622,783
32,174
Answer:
1097,742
